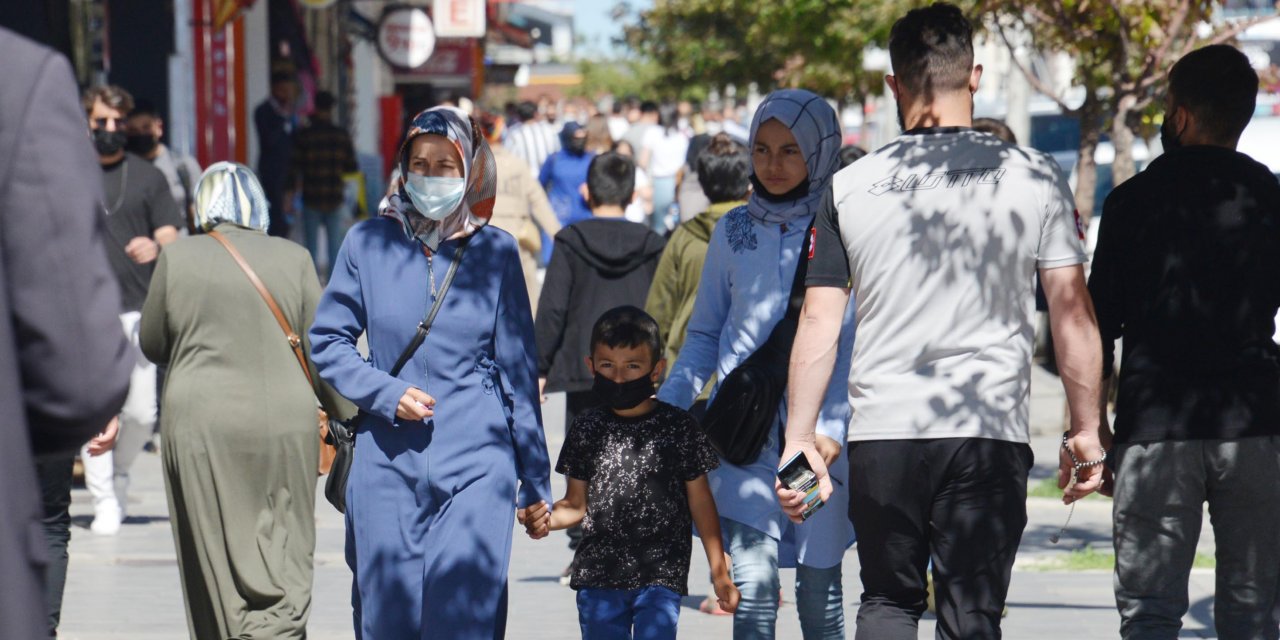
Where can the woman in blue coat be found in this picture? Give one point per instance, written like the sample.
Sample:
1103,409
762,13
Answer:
441,448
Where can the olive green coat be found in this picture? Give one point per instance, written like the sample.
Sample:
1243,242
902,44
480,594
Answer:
239,433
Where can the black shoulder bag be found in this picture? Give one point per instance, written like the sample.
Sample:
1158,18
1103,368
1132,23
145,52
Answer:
344,435
745,407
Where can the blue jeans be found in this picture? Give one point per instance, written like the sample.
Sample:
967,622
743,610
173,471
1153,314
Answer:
312,219
612,614
819,593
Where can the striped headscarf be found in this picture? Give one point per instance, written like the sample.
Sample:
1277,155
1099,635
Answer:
817,130
479,173
229,192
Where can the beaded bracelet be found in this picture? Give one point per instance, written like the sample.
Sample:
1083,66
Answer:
1076,466
1075,462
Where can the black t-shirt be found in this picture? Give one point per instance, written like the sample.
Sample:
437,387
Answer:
145,206
637,531
1187,271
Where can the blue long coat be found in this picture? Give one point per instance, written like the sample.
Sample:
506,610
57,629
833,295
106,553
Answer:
430,504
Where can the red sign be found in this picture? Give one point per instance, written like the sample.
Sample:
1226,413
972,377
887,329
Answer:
219,114
406,37
451,58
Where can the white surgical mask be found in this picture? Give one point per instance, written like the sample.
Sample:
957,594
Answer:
434,198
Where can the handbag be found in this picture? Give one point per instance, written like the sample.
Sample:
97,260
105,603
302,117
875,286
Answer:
327,451
745,407
344,436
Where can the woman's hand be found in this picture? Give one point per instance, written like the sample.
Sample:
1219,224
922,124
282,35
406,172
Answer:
827,448
415,405
536,520
542,390
727,594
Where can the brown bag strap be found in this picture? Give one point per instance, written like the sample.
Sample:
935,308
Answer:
295,342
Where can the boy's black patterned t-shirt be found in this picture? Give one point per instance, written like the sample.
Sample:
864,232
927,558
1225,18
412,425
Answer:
637,531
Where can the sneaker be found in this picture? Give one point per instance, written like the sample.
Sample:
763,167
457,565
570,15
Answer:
104,525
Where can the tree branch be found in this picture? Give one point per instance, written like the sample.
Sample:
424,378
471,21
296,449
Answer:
1032,79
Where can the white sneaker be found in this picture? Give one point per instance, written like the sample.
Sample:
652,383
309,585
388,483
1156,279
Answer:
106,522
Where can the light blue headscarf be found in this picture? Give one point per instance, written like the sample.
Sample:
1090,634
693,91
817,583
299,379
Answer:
817,130
229,192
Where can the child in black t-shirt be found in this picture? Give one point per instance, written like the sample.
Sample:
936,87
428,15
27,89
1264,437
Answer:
637,473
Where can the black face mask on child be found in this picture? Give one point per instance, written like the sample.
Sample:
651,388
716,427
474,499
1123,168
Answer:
623,395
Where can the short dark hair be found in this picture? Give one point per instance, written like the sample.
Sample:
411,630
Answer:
931,50
111,95
611,180
325,101
1219,87
281,77
527,110
649,106
144,107
850,154
996,128
627,326
724,169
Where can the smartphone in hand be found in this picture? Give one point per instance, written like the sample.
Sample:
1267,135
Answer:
797,475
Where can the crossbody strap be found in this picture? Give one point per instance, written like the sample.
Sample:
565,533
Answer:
424,327
295,342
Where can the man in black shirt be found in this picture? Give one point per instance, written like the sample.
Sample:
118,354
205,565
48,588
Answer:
1186,271
141,216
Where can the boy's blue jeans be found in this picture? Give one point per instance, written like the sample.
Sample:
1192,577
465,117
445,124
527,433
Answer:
612,614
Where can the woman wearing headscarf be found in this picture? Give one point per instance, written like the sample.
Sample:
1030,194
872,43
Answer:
441,447
239,435
744,292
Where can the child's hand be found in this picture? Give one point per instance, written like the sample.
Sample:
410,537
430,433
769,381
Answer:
537,520
726,594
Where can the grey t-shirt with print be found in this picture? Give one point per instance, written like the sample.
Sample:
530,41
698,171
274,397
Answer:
939,234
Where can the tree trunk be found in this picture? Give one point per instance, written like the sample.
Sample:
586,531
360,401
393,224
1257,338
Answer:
1086,166
1122,137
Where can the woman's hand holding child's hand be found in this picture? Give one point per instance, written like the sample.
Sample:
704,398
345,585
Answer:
537,521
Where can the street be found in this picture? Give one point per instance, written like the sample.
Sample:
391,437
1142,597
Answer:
126,587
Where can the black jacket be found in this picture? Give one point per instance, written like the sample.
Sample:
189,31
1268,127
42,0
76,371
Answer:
596,265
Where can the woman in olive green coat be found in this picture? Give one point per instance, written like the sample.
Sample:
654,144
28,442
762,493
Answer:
239,431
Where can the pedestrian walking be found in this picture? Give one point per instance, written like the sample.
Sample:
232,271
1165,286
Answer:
1184,274
724,171
599,264
937,236
145,129
533,138
795,137
440,447
141,217
563,175
662,153
637,511
238,435
322,153
276,121
64,370
520,206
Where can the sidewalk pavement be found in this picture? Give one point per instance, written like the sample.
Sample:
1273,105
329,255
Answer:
126,587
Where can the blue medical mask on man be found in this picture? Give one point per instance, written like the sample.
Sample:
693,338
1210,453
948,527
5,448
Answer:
434,197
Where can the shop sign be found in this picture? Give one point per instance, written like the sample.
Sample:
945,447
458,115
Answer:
406,37
459,18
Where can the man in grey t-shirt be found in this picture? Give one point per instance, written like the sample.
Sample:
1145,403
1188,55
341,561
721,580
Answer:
939,233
